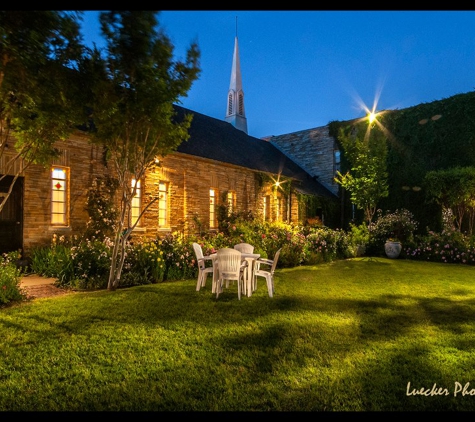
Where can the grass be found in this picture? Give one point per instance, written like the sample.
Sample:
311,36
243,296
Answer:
344,336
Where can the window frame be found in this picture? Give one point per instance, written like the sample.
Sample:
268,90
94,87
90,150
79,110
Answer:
231,202
63,199
163,204
213,194
136,209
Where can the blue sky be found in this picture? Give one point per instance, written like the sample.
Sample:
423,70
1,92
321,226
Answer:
304,69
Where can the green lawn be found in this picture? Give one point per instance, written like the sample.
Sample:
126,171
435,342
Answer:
344,336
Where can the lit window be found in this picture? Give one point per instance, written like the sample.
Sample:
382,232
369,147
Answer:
162,204
212,209
59,196
231,202
266,210
136,204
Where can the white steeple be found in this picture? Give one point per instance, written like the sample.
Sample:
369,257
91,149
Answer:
235,113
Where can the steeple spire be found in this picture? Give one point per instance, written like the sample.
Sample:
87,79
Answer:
235,113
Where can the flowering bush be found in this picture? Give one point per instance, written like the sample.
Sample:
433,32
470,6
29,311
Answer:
398,225
91,265
449,246
179,257
54,260
326,245
85,263
101,208
145,263
10,277
76,263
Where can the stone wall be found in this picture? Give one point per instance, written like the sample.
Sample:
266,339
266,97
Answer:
84,162
190,179
313,150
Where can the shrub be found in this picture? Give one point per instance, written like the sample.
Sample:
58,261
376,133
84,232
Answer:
10,278
449,246
91,265
55,260
179,257
144,263
101,208
82,264
358,239
398,225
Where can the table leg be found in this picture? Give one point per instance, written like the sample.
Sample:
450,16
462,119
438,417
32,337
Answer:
215,277
250,275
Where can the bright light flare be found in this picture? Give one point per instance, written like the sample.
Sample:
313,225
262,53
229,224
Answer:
371,116
278,183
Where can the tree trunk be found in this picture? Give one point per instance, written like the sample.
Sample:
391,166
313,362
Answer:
116,268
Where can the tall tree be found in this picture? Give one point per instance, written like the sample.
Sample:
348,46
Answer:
39,91
366,152
134,83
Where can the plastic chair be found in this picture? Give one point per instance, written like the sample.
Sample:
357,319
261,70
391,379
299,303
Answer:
230,267
267,274
244,247
203,270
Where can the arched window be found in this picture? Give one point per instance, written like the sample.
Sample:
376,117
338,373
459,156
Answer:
230,103
241,103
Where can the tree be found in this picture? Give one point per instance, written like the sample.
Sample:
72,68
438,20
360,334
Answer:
39,91
454,189
134,83
367,179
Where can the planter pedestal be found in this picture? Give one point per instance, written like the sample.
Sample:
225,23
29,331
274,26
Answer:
392,249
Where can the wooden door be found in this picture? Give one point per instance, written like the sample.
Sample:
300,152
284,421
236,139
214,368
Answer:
11,216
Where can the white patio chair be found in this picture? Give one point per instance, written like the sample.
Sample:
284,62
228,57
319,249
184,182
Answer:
244,247
203,270
267,274
230,268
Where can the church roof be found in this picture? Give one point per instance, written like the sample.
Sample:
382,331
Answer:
219,140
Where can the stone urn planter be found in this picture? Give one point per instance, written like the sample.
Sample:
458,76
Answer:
360,250
392,248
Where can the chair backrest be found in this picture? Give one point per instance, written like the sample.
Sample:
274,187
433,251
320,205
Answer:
274,263
229,263
198,250
199,254
244,247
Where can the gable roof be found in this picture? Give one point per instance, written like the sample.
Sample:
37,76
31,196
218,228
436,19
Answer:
219,140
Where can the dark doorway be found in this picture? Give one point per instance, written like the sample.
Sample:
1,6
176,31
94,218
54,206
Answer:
11,217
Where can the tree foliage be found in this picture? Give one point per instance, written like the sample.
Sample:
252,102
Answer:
366,152
134,83
454,189
39,91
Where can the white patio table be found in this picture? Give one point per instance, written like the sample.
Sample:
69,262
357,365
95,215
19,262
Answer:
251,259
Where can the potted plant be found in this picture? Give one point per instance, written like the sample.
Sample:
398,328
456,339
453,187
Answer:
392,229
392,247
